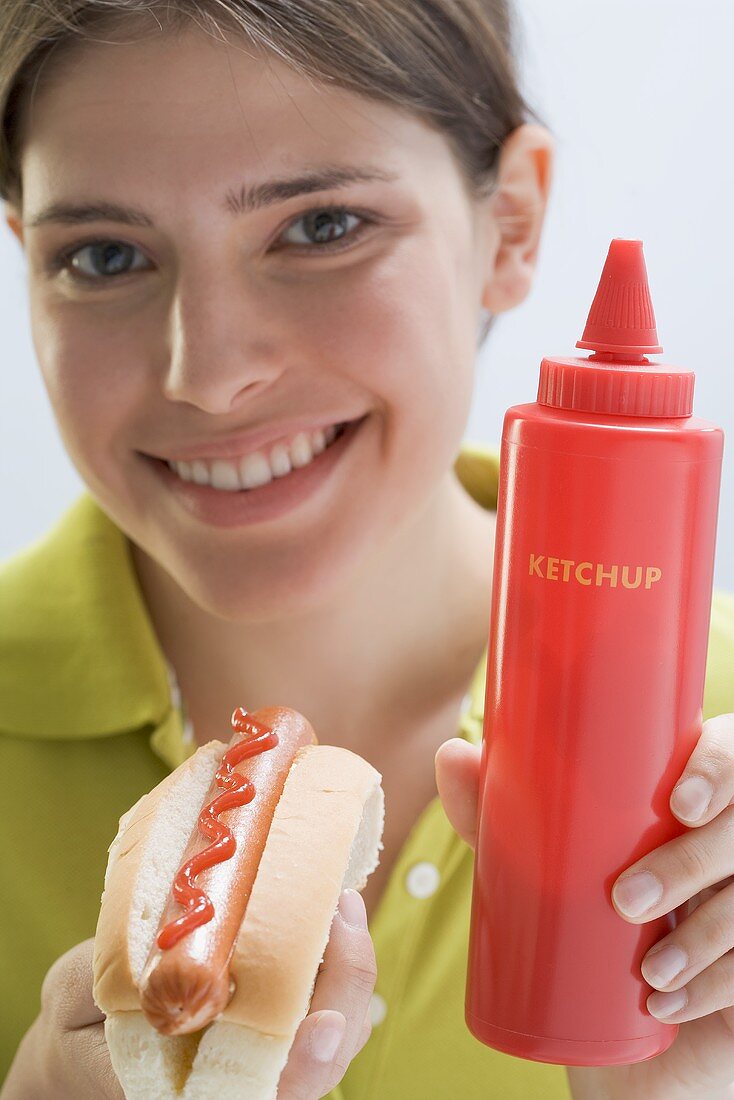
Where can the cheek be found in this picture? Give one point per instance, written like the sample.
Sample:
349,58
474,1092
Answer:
404,329
402,321
92,382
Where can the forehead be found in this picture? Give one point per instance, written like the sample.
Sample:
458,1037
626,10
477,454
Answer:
183,108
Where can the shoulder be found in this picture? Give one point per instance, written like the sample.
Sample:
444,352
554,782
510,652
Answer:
40,572
39,601
43,613
78,655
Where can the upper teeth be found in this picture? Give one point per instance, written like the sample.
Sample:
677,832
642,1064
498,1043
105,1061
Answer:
259,468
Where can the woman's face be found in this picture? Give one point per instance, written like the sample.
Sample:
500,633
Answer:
203,319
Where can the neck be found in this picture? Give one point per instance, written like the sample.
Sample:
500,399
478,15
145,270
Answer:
403,640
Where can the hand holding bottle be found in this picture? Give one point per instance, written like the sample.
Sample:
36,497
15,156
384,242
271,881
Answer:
697,867
604,551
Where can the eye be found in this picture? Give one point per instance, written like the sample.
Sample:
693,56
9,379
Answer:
98,261
328,226
324,229
112,257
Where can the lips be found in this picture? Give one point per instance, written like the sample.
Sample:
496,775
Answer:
259,468
272,500
236,447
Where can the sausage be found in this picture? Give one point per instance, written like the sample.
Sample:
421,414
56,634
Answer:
184,986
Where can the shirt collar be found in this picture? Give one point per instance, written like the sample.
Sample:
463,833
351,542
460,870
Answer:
78,653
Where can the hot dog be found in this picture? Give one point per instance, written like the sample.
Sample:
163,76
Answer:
187,984
205,974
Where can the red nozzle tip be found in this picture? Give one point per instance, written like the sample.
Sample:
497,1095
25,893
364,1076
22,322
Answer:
621,319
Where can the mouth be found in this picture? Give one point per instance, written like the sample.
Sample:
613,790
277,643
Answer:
250,471
234,492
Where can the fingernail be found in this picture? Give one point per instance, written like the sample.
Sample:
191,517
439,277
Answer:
665,1004
691,798
662,966
352,908
637,893
326,1037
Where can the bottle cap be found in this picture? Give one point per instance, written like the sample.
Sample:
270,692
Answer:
621,318
621,330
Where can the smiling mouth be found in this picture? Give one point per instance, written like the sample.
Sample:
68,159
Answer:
252,471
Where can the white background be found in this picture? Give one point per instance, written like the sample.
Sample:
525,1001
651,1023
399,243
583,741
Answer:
638,95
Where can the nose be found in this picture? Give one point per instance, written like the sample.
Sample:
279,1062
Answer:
219,350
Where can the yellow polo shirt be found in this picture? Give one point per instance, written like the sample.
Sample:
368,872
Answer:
89,722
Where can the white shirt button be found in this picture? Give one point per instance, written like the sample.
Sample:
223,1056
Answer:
378,1009
422,880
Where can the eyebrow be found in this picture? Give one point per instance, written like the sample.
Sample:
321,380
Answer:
248,198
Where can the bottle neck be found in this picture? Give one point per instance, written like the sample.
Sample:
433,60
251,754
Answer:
633,359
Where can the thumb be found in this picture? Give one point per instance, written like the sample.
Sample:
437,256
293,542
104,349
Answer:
67,988
457,765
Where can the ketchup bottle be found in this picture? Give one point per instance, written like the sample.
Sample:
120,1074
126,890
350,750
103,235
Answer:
603,577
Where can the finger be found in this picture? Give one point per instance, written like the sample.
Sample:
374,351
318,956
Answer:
365,1033
310,1071
457,764
707,783
87,1062
343,989
711,991
676,871
67,989
346,980
698,941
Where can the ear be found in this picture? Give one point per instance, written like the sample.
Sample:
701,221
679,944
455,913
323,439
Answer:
516,214
13,218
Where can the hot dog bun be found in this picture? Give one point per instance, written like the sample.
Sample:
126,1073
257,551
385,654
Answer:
325,836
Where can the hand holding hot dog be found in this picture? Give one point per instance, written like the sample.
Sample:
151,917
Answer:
344,988
219,951
64,1053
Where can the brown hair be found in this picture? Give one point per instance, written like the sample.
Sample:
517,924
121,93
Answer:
451,62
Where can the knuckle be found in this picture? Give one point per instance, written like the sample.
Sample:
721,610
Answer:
363,978
695,858
355,959
92,1065
719,923
722,724
362,968
63,980
717,750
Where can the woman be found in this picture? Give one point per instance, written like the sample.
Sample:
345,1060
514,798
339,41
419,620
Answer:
295,216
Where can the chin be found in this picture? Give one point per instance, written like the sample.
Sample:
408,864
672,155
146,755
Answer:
251,592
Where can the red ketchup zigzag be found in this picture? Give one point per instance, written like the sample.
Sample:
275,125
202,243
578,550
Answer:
238,791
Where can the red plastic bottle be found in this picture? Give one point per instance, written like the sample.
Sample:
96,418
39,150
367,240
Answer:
603,578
